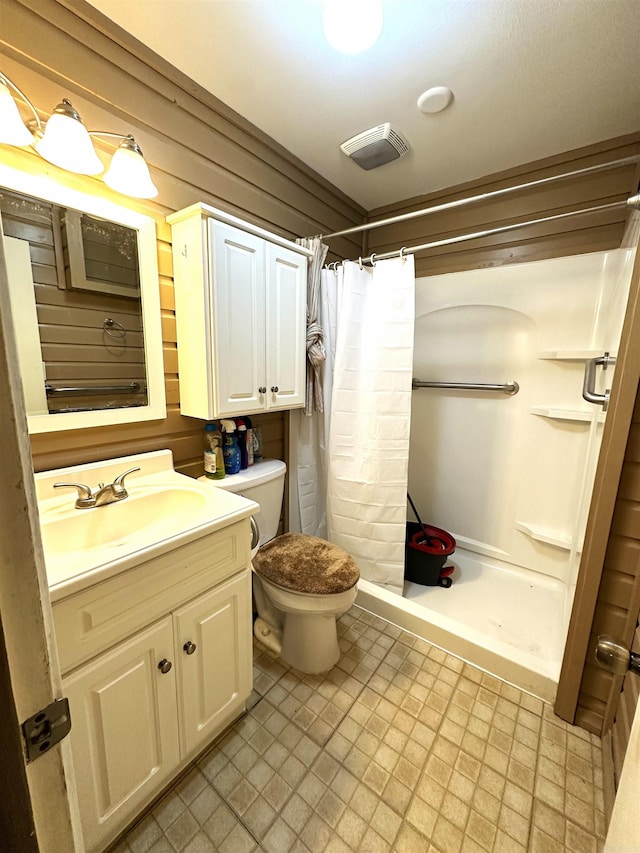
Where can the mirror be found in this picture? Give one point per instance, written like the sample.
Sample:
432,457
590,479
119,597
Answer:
84,295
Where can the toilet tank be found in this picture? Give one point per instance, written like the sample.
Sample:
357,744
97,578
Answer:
262,483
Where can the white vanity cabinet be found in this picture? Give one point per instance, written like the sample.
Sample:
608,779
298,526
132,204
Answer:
145,702
240,297
124,732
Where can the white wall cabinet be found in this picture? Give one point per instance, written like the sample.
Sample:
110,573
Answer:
143,707
241,315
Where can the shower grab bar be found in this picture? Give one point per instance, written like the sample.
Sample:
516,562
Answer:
510,388
589,386
94,390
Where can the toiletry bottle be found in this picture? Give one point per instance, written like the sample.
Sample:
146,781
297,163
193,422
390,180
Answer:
241,432
230,449
257,444
250,458
213,458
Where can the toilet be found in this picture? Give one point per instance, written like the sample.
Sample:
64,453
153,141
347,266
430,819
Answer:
301,584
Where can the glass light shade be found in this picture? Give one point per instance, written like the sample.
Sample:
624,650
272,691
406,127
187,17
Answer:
352,26
129,173
66,142
12,128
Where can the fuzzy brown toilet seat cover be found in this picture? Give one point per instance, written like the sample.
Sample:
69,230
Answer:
307,564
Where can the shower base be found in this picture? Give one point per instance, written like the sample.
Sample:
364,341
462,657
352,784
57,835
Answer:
506,620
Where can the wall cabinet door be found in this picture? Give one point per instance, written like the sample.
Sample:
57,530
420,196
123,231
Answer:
213,642
240,315
285,319
238,304
124,733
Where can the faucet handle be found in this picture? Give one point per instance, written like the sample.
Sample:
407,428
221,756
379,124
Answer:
85,497
119,480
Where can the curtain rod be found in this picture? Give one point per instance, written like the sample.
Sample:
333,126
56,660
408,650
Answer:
632,202
438,208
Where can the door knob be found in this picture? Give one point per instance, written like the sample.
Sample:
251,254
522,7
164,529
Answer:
189,647
165,666
275,389
614,657
262,390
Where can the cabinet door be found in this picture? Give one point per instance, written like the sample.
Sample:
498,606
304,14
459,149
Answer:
237,276
124,730
286,327
214,642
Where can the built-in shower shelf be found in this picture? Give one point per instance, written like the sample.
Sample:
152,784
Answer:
557,413
569,354
544,534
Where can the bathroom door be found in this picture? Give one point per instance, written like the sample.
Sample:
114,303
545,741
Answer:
29,674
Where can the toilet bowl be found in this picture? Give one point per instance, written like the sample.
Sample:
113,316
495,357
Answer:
296,612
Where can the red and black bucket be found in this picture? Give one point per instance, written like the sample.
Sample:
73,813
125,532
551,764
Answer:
426,551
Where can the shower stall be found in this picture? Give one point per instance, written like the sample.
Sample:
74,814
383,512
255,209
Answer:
505,459
509,474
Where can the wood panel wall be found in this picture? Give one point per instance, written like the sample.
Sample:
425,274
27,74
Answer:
574,235
625,712
198,150
617,606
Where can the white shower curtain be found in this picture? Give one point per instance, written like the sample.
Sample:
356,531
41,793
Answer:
371,416
310,433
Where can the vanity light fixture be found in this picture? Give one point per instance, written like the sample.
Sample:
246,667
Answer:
64,141
128,172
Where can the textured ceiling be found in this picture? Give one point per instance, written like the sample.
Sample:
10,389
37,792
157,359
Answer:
531,78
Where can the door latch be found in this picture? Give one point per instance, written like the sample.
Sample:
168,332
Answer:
46,728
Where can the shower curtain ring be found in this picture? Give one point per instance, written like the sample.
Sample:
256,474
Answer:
371,259
402,257
360,263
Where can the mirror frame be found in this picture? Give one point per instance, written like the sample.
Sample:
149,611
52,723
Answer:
44,187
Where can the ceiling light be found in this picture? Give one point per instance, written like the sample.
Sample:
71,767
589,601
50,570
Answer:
12,129
65,142
352,26
129,173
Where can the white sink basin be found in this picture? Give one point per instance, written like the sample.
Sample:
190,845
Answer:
164,510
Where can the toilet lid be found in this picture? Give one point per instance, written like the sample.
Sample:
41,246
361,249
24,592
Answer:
304,563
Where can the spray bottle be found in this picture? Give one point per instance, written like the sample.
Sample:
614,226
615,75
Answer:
230,449
242,434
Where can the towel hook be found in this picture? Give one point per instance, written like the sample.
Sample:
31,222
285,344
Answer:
114,329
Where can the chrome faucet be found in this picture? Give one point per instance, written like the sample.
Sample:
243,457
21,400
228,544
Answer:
103,495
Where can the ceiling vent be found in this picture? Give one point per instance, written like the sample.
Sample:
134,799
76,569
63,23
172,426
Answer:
375,147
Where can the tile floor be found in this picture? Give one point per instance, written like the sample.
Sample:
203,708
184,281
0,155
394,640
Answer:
401,747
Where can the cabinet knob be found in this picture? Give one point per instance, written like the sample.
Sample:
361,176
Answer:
189,647
275,389
262,390
165,666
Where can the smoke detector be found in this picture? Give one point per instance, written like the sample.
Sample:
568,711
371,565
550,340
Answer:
376,146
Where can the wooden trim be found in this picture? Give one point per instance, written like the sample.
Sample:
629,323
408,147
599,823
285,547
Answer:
17,828
614,442
608,781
